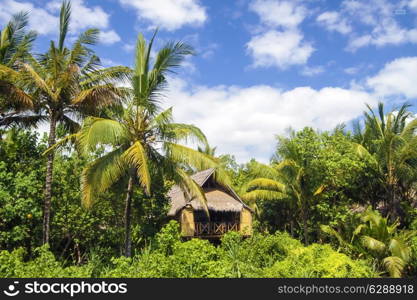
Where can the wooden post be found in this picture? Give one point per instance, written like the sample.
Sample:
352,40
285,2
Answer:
187,221
246,222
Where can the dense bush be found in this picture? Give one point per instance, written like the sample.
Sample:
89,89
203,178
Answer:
319,261
262,255
12,264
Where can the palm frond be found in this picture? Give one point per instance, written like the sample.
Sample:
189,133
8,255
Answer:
96,131
171,56
64,20
266,184
69,124
184,132
398,248
137,158
330,231
190,157
70,138
98,96
15,97
21,120
257,195
39,81
191,188
372,244
99,175
113,75
262,170
394,265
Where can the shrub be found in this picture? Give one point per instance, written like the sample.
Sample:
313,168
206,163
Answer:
319,261
262,255
168,237
193,258
44,265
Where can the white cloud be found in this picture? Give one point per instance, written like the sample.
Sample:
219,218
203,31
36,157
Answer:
288,14
45,19
82,16
169,14
244,120
109,37
370,22
189,66
396,78
209,50
333,21
359,42
279,48
311,71
280,43
128,47
109,62
351,70
413,5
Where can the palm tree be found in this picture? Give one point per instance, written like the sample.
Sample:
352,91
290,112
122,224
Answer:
64,85
285,181
15,45
390,143
15,41
378,239
142,139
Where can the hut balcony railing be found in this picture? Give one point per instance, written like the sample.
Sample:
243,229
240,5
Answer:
215,228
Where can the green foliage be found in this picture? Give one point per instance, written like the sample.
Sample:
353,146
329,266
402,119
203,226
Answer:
318,261
388,141
43,265
169,236
21,185
128,140
375,238
263,255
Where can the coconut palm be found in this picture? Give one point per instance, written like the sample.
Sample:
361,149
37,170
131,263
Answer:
64,85
378,239
389,141
284,181
15,44
141,138
15,41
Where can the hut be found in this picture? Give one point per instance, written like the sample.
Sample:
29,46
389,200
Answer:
227,212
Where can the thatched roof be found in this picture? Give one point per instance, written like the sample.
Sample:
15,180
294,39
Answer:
218,199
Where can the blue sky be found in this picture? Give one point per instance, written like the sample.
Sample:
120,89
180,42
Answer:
262,65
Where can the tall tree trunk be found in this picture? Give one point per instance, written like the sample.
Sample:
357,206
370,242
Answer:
292,227
305,226
127,217
394,205
397,212
48,181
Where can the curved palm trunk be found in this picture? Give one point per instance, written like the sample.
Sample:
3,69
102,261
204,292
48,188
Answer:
127,217
48,181
394,201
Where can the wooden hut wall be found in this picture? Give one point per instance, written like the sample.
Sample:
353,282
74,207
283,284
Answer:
246,222
187,221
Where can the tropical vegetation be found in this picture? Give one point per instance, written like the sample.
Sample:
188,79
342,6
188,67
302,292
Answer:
88,198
